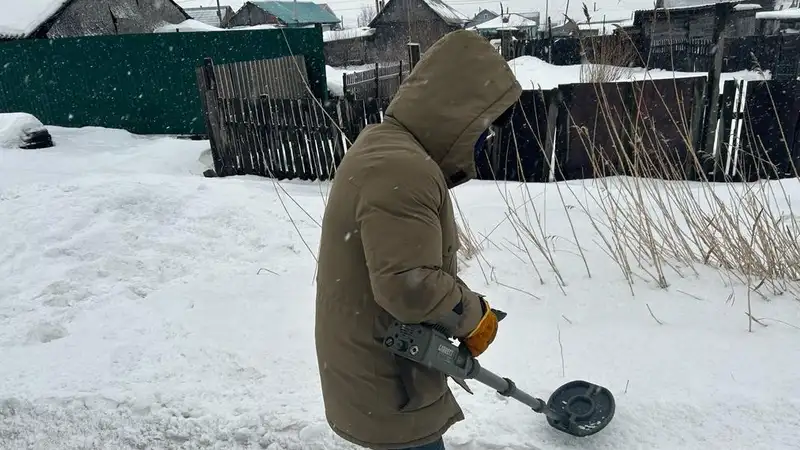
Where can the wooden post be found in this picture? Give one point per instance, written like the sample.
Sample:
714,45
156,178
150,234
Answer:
400,73
377,81
550,147
691,167
505,42
709,133
549,40
212,118
413,55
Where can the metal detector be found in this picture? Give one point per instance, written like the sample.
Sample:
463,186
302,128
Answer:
578,408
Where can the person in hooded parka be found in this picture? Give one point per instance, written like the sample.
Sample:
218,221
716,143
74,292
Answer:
389,242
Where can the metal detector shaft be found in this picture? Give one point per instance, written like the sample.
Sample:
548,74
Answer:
507,388
432,348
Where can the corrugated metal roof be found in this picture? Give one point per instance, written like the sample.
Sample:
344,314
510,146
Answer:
208,15
306,12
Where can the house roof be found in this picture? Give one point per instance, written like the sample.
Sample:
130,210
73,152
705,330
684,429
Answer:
691,4
307,12
486,11
446,12
20,20
208,15
440,8
514,20
327,8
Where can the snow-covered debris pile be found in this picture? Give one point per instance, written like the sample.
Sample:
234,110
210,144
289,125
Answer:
187,26
348,33
22,130
19,19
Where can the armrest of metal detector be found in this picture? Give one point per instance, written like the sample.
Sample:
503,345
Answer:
430,347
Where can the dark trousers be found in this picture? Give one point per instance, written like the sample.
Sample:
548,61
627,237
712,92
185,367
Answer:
438,445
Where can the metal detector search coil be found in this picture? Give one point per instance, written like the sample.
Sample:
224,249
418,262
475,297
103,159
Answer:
578,408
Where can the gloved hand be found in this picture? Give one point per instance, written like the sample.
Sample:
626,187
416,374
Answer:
479,339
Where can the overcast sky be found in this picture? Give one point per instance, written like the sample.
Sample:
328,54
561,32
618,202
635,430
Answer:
349,9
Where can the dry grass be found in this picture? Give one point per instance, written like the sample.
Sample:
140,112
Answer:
652,230
652,223
610,56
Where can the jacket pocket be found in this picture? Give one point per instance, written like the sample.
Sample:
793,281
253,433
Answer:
423,386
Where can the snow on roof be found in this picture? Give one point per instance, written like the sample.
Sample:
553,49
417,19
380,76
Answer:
747,7
189,25
514,21
209,15
785,14
605,28
606,16
534,73
348,33
689,4
21,18
446,12
265,26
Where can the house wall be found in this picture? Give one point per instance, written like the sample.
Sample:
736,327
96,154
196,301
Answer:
252,15
345,52
102,17
405,21
696,24
772,27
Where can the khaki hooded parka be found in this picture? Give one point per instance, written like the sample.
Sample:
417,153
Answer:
389,242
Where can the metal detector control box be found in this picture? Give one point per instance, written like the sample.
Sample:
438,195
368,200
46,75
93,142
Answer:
429,347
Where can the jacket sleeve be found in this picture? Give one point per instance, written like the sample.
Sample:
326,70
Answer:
398,220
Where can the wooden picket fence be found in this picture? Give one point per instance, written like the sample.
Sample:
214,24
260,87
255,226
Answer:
381,81
255,130
277,133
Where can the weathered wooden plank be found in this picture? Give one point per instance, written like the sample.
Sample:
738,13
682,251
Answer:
307,144
298,170
320,139
230,120
295,137
260,162
325,131
273,140
241,100
262,124
334,133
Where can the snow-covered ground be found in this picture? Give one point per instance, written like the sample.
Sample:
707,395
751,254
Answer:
144,306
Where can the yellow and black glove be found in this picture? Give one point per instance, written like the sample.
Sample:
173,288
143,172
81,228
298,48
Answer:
479,339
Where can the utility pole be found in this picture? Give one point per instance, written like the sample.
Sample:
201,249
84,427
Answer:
219,14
